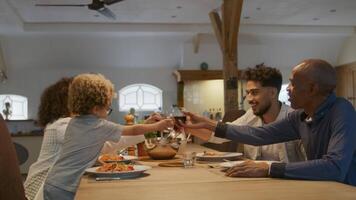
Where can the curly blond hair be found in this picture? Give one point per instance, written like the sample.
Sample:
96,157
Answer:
89,90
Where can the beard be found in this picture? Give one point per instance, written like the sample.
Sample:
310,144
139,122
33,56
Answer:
262,110
292,101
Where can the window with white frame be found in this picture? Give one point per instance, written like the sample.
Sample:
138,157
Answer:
13,107
141,97
283,94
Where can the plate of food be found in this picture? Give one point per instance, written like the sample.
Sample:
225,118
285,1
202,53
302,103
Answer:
233,163
211,156
113,158
118,170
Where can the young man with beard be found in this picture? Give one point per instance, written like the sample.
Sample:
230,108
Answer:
263,85
325,123
262,90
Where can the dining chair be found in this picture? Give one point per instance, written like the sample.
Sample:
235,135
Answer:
11,186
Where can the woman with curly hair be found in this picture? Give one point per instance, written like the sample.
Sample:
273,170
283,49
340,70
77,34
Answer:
90,97
53,115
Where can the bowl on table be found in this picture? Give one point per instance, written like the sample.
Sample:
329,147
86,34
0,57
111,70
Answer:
161,148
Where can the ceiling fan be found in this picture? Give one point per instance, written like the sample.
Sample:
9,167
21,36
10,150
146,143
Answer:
98,5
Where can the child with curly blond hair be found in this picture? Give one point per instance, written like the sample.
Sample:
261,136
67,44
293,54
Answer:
90,97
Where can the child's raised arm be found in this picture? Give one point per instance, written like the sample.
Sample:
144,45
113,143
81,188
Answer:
139,129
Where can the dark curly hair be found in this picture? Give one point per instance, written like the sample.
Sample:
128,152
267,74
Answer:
54,102
267,76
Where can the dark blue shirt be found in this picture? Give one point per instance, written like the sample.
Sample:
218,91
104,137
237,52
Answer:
329,139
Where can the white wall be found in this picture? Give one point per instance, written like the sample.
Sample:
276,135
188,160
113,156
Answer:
209,52
280,51
36,61
31,83
91,51
348,51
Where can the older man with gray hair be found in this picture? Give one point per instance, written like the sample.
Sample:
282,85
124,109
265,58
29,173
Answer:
325,123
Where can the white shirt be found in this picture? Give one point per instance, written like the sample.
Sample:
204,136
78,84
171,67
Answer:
51,146
124,142
286,152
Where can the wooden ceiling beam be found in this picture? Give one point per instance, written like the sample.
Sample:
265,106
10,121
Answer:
235,25
196,75
217,27
226,18
229,35
231,14
196,42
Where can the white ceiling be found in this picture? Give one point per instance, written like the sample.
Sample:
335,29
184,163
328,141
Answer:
187,15
64,36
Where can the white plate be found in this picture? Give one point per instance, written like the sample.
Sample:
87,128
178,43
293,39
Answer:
127,159
233,163
218,157
138,170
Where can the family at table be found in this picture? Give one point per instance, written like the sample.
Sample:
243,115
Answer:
315,141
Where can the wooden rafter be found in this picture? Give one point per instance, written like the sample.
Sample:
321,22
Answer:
226,31
196,42
216,23
235,25
196,75
226,18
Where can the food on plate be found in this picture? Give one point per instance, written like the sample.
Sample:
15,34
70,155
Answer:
208,153
110,157
115,167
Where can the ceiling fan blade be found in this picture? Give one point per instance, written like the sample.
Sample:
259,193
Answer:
61,2
109,2
107,13
61,5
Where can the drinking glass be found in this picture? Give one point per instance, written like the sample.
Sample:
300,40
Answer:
189,159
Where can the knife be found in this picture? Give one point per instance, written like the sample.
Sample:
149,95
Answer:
107,178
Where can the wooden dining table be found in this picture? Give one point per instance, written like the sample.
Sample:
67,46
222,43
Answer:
206,181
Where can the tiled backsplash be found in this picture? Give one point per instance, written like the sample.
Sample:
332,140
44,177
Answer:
200,96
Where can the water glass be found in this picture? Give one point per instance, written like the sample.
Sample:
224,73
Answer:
189,159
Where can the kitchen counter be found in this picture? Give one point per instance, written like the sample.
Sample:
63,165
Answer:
32,134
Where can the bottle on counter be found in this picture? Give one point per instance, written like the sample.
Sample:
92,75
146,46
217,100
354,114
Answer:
218,115
130,119
211,114
206,114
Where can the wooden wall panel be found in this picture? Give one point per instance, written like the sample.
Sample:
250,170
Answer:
346,82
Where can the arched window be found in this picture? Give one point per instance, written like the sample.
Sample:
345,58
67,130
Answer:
142,97
14,106
283,94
